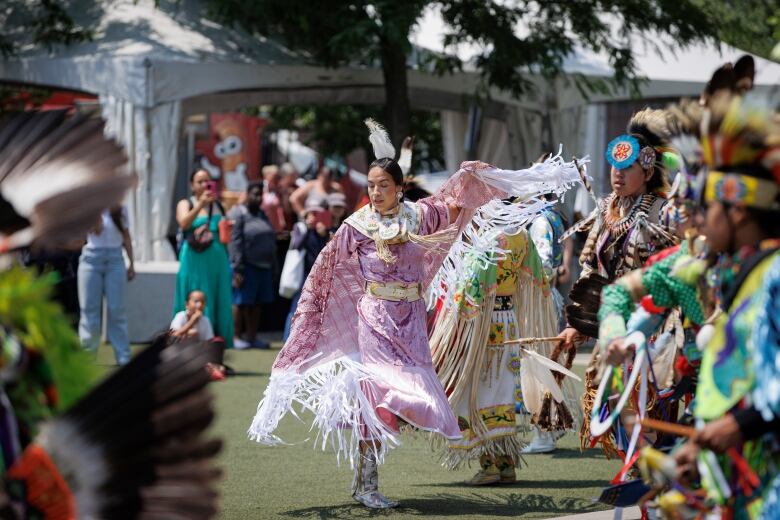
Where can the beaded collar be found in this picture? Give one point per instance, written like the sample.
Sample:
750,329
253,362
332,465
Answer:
393,228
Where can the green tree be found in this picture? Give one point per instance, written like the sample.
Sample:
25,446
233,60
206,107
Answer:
516,37
751,25
338,130
46,21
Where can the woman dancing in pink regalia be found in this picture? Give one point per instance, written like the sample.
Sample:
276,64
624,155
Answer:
358,356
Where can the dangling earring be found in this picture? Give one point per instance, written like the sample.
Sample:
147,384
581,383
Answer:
399,196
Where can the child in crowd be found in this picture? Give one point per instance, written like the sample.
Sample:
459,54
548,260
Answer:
192,323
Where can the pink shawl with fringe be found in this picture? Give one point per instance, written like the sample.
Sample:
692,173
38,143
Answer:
324,326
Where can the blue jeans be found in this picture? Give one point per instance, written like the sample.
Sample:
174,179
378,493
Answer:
102,272
288,321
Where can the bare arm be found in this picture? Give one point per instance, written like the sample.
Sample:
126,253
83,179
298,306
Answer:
186,215
568,251
127,243
185,329
298,197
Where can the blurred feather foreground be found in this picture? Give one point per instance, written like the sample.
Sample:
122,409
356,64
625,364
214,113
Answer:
57,174
134,446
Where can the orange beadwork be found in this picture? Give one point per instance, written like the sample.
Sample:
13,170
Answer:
47,490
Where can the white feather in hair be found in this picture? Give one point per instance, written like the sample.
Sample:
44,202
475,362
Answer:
380,141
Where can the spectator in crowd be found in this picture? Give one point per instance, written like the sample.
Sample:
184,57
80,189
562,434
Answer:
191,323
102,273
272,199
315,192
203,261
311,235
337,204
289,183
253,259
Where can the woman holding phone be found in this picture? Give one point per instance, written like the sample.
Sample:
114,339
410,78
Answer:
203,259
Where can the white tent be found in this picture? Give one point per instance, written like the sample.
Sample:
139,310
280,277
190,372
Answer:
153,66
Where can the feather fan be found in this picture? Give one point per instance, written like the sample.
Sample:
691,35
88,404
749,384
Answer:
136,446
57,174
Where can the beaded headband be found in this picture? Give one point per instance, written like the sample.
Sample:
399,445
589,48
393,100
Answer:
735,188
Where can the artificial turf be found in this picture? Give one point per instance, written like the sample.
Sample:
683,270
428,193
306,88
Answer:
299,481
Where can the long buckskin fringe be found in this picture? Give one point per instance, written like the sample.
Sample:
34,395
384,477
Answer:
332,393
509,445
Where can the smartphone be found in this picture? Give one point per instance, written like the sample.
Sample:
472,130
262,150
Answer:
323,217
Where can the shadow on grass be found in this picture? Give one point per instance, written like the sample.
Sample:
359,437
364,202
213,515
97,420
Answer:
590,453
248,373
445,504
533,484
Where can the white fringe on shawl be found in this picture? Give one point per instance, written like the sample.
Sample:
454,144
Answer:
479,237
332,393
553,175
479,240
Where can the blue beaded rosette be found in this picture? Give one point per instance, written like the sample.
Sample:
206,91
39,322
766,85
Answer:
622,151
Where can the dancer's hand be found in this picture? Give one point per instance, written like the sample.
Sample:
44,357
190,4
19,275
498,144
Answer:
563,274
571,338
720,435
685,457
617,351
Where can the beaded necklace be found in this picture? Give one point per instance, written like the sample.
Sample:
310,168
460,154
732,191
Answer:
618,226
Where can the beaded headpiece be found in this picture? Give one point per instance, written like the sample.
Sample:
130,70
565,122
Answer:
735,144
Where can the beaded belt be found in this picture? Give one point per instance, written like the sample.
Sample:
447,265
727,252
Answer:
395,291
504,303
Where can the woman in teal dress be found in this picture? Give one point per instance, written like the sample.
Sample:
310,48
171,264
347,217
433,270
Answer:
207,270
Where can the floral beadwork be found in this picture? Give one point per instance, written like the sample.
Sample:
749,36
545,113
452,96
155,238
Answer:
514,364
368,222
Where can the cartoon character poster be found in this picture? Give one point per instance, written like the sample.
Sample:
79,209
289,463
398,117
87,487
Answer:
231,154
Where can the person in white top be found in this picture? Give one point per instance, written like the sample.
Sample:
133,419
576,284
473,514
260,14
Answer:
191,322
102,273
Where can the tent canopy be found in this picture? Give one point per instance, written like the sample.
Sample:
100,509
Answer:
148,55
153,65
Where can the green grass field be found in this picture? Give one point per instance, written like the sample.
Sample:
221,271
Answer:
299,481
